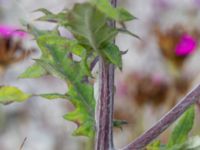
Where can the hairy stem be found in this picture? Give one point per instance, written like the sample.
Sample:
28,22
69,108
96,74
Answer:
104,139
104,112
142,141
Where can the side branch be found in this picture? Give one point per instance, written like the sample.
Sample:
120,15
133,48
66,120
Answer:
142,141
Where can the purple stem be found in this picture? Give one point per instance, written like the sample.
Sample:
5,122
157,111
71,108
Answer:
142,141
93,64
104,139
104,110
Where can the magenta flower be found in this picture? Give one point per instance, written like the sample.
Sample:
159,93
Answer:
186,45
8,31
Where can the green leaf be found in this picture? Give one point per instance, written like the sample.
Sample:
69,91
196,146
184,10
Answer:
80,93
52,96
44,11
155,145
75,47
128,32
42,37
118,14
37,33
50,68
34,71
113,54
58,42
50,42
90,25
85,129
9,94
59,18
61,65
182,129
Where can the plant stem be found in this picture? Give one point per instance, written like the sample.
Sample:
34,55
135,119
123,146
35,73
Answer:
142,141
104,109
104,139
114,3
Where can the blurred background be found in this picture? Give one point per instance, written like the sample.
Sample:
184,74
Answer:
158,70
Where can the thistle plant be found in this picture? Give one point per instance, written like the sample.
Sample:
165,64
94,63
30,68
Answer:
92,25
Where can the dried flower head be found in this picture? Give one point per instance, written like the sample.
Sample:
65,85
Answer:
12,49
145,88
176,44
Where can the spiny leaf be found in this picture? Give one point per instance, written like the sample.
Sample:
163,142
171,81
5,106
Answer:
49,38
37,33
59,18
85,129
81,95
80,92
34,71
9,94
118,14
63,44
40,35
113,54
90,25
58,48
50,68
128,32
43,10
180,132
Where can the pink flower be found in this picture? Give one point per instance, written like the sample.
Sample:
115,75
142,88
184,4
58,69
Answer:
8,31
186,45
